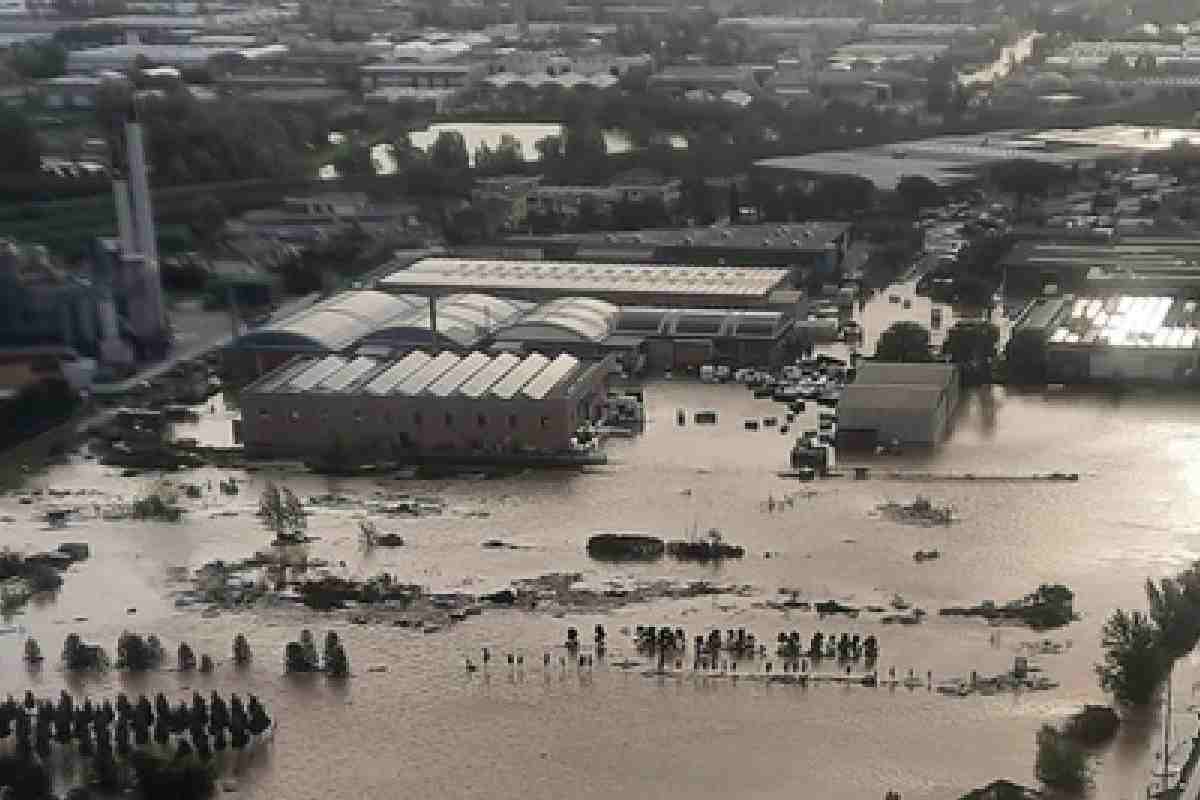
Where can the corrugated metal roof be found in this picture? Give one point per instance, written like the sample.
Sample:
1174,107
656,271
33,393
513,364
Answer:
454,378
387,380
584,277
419,380
318,372
485,378
524,372
348,374
503,376
547,379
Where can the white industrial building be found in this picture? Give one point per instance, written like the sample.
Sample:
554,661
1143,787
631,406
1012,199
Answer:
894,403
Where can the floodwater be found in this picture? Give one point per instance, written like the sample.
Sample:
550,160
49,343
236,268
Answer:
427,728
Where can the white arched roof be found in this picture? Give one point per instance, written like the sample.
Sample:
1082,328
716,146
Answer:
336,323
586,318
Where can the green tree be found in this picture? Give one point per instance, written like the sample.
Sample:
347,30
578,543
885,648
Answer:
281,511
449,151
353,159
22,151
39,60
1134,661
1025,178
971,344
207,218
1061,764
1174,612
905,342
917,192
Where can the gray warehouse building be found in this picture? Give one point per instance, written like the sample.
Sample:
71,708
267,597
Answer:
908,404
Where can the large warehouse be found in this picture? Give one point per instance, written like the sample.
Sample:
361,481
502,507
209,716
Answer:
622,284
1116,338
383,322
473,404
910,404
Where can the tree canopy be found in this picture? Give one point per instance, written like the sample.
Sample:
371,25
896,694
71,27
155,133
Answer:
1061,763
449,151
1134,663
22,151
917,192
1025,177
903,341
971,344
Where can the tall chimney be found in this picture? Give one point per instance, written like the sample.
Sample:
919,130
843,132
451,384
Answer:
124,218
144,216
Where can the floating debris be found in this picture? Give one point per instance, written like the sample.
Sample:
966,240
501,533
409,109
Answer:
919,512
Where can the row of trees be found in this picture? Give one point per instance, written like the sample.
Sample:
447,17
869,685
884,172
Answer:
970,344
135,653
127,746
301,656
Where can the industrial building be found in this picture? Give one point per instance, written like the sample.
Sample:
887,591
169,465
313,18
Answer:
115,313
644,337
1116,338
621,284
371,321
381,409
1070,265
894,403
814,246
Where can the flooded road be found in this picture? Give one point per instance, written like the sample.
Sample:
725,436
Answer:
427,728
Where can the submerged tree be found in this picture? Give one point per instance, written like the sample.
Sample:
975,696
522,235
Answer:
241,650
281,511
1061,763
1134,662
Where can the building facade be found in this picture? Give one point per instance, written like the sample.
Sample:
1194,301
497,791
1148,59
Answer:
474,404
908,404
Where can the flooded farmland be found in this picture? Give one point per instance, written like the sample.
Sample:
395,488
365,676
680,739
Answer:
426,726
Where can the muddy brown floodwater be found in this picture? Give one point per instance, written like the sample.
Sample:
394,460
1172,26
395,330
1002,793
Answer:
427,728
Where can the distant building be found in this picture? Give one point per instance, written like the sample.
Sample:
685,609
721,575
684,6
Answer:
1126,263
687,81
473,404
621,284
911,404
123,57
1116,338
566,201
816,247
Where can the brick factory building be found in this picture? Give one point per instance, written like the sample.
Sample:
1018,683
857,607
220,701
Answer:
388,409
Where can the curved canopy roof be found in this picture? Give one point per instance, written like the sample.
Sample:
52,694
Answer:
355,317
462,319
336,323
579,318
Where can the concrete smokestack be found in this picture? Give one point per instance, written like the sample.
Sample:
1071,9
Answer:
144,218
124,218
